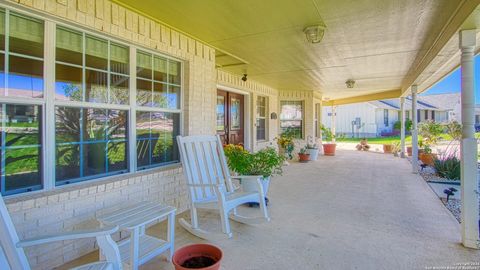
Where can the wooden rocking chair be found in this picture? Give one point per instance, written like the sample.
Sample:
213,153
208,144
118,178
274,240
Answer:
210,185
12,255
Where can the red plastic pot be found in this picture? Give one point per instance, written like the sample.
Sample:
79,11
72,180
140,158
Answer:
303,157
196,250
329,149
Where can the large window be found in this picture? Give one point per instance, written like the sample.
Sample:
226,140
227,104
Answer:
158,113
80,122
291,117
261,122
89,143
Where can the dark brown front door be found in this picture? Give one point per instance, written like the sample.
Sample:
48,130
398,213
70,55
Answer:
230,117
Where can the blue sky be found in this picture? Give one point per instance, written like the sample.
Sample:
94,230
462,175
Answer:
451,83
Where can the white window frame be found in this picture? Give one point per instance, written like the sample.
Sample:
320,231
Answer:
49,103
265,117
302,102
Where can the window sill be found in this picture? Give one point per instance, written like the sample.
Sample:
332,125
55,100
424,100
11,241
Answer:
86,184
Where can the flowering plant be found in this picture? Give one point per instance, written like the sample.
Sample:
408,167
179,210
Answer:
285,142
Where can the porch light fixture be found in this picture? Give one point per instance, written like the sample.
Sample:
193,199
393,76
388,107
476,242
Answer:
244,78
314,33
350,83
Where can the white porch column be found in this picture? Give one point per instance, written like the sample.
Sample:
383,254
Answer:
402,127
319,126
469,180
334,112
414,130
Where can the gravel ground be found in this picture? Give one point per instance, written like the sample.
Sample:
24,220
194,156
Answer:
453,205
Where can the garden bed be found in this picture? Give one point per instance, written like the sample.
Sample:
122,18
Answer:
454,205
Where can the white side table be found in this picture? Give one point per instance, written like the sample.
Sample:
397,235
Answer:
140,247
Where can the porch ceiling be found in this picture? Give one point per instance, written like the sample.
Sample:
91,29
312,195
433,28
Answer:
375,42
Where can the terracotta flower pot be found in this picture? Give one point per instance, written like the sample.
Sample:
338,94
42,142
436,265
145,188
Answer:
304,158
387,148
427,158
329,149
197,253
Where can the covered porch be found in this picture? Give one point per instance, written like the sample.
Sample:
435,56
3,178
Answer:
94,92
356,210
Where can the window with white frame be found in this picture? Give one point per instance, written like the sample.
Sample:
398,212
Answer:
261,123
21,102
90,141
158,110
291,117
86,102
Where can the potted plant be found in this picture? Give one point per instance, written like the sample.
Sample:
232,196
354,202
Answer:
328,148
363,145
387,148
303,155
197,256
396,149
312,149
430,132
286,144
264,163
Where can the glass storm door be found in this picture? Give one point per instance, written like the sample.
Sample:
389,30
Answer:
229,121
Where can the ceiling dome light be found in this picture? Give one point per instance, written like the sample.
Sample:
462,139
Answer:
314,34
350,83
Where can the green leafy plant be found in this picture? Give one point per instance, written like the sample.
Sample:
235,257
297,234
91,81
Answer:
303,151
326,133
408,125
266,162
448,167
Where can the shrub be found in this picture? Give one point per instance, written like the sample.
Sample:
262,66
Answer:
448,167
454,129
408,125
430,131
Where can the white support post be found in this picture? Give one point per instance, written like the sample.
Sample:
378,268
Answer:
320,123
414,130
402,127
469,180
334,114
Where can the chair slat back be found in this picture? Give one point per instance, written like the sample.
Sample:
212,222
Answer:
204,164
8,239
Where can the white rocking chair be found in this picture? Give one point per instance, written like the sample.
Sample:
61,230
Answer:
210,185
12,255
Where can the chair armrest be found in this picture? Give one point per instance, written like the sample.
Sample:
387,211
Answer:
107,230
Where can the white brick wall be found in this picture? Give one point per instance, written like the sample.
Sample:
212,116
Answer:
75,207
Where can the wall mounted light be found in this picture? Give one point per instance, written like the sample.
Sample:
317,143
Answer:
273,116
314,33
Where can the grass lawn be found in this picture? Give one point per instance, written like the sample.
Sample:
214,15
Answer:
394,139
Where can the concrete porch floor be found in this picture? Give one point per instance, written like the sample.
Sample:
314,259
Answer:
357,210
